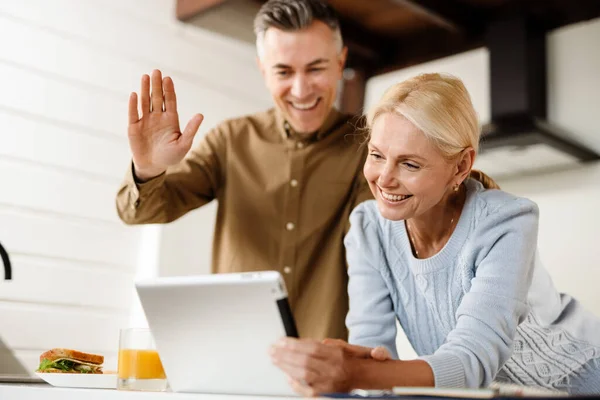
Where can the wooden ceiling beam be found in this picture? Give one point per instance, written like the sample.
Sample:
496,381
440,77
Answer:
187,9
434,44
427,46
367,51
449,15
554,14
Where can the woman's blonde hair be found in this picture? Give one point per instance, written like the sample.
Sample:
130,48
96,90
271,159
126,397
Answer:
440,106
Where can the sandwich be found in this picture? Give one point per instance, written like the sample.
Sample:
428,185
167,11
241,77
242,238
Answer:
70,361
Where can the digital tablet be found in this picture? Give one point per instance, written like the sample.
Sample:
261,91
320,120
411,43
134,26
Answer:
213,332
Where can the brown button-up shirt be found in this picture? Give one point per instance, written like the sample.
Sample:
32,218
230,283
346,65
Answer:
284,203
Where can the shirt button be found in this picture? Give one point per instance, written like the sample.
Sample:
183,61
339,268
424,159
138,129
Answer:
294,183
290,226
300,145
287,270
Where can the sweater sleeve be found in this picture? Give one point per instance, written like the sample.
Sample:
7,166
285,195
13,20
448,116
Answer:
489,313
371,319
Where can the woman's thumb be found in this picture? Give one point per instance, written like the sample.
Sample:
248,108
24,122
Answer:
380,353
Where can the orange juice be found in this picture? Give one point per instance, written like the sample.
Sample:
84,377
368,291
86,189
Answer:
140,364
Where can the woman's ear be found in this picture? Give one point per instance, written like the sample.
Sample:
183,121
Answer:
464,164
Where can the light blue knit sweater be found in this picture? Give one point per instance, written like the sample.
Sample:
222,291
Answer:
482,309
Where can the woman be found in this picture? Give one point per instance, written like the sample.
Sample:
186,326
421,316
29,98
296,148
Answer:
453,259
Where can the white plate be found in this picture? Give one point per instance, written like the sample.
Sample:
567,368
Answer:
95,381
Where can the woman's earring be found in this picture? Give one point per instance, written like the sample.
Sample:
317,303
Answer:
456,187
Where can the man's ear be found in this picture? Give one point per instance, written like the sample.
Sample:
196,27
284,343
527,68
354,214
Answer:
261,66
342,57
465,162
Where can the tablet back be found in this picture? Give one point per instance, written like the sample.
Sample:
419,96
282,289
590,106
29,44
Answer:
213,332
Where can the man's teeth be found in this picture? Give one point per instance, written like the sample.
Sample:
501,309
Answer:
394,197
305,106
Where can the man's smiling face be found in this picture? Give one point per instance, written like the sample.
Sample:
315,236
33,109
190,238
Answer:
302,70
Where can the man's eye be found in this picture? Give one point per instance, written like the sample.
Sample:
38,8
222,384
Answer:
315,69
282,73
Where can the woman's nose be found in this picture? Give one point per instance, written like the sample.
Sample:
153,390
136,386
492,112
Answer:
387,177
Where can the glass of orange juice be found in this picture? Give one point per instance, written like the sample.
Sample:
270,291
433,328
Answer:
139,364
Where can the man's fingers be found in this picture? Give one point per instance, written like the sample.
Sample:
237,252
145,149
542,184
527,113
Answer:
170,97
157,92
192,127
133,111
145,94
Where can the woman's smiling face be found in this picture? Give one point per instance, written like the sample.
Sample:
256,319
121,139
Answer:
405,171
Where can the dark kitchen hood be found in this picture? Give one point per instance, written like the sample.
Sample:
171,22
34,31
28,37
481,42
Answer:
517,51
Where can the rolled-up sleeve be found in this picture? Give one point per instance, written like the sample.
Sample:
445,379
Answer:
190,184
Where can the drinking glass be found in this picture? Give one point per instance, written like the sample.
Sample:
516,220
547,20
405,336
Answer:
139,366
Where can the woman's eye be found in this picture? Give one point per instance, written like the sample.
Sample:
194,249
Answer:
411,166
376,156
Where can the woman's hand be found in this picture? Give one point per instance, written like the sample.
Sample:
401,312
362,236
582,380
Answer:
378,353
315,367
312,367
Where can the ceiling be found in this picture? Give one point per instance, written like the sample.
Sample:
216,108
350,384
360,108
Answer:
385,35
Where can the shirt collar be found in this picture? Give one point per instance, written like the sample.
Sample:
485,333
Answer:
287,132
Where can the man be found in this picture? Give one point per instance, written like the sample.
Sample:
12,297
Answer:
286,179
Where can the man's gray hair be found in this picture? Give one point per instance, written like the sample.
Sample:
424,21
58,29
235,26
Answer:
293,15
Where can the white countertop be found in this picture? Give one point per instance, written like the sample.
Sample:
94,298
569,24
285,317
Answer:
10,391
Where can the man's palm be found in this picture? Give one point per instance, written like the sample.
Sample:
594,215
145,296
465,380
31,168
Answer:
155,139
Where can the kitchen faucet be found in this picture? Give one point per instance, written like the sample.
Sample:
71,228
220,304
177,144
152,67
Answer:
6,262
